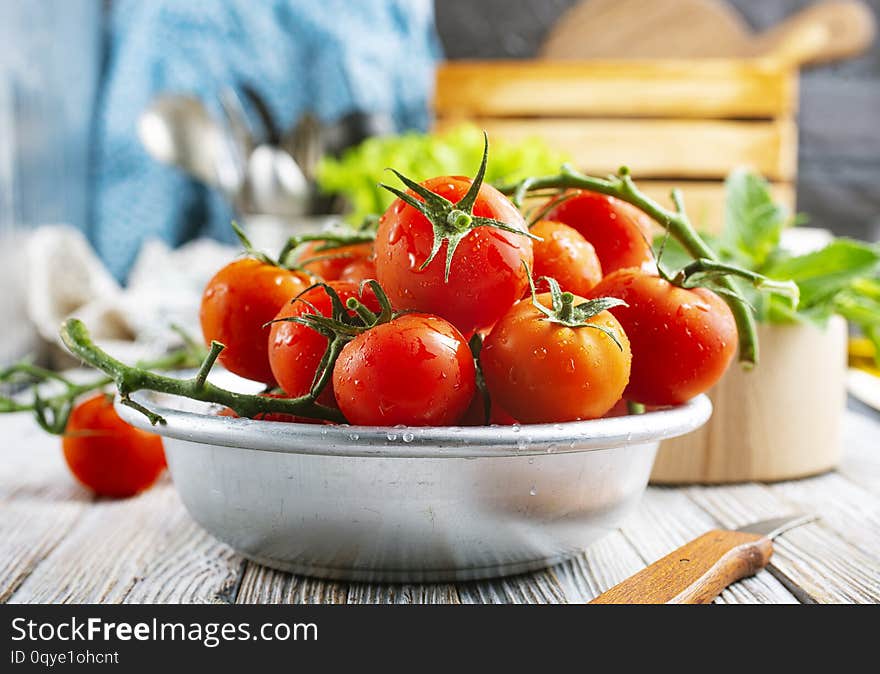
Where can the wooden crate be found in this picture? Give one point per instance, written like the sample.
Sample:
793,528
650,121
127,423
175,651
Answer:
674,123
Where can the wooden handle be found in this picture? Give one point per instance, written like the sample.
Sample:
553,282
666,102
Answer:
696,573
827,31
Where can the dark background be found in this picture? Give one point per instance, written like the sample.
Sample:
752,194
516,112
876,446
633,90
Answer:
839,165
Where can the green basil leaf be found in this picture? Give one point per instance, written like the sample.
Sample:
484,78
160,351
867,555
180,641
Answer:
753,221
824,273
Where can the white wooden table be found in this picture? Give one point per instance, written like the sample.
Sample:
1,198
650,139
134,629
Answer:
58,544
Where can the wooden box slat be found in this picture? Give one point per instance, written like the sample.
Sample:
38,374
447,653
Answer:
709,89
705,200
661,148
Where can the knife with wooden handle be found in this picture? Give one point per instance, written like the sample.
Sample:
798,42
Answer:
697,572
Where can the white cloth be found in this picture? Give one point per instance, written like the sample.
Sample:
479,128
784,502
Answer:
66,279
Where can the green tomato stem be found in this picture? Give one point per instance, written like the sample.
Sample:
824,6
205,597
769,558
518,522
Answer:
129,379
675,222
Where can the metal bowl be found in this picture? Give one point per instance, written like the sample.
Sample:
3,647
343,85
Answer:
409,504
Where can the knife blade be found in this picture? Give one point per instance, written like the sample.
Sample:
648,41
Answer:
697,572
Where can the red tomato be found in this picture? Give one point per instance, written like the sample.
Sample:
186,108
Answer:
475,415
416,370
620,409
565,255
331,263
362,269
295,350
241,298
542,372
682,340
620,233
106,454
486,276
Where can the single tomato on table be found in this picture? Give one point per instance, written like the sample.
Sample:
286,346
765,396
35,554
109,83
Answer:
682,339
416,370
106,454
237,303
556,357
619,232
453,247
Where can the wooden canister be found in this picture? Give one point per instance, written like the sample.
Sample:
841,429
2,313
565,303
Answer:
779,421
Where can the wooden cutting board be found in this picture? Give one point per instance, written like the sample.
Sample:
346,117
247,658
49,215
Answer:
634,29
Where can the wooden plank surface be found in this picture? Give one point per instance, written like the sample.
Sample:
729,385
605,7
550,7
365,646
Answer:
660,148
679,89
59,545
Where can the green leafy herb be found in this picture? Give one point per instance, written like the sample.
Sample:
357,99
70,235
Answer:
821,275
841,278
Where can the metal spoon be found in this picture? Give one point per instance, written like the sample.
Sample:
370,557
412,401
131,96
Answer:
178,130
275,182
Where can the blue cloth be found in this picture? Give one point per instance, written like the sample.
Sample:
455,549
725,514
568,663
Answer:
326,56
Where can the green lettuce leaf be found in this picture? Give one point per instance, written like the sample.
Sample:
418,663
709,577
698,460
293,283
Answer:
357,174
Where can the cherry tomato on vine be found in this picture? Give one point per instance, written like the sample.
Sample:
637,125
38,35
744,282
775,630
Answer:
238,301
682,339
295,350
330,264
106,454
416,370
562,253
541,371
358,271
619,232
486,273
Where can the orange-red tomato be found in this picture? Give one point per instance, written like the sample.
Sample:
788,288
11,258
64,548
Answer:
362,269
563,254
106,454
682,340
295,350
238,301
487,274
330,264
416,370
542,372
620,233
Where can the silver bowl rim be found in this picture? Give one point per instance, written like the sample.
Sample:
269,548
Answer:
416,441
